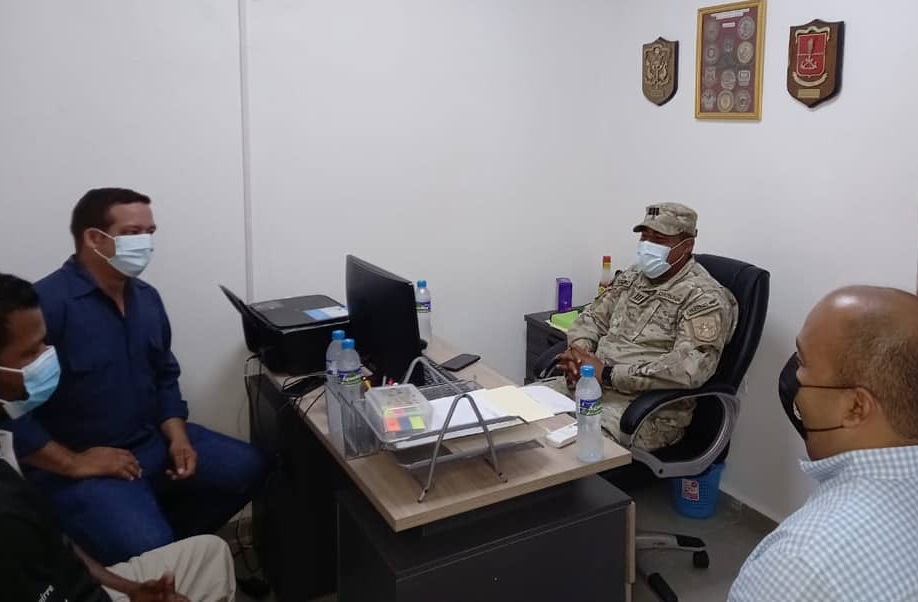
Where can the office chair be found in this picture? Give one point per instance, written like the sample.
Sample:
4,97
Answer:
707,438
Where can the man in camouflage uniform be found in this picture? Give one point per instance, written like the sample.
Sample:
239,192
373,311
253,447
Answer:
661,324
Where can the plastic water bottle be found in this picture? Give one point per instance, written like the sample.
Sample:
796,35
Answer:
589,416
348,366
331,356
606,278
422,303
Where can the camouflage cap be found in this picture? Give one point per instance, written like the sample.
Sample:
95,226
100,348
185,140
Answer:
670,219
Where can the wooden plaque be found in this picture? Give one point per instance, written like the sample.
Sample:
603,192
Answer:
814,63
659,64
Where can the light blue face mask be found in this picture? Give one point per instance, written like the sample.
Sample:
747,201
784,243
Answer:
652,258
40,379
132,253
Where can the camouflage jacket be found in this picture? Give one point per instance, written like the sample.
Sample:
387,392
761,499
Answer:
658,336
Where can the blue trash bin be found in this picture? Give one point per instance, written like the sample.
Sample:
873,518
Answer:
696,497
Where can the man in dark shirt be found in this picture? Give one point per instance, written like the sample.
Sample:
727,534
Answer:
111,449
36,564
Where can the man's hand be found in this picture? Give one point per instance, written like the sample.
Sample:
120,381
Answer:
567,363
585,358
106,462
571,360
184,459
159,590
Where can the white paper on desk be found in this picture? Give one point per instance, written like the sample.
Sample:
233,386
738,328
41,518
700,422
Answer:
464,413
552,400
513,401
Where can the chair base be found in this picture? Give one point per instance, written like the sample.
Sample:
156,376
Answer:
650,540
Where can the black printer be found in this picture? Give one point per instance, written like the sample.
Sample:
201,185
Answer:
290,335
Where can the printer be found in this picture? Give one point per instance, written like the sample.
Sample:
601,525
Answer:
290,335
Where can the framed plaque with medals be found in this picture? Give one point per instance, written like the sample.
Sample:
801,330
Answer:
729,60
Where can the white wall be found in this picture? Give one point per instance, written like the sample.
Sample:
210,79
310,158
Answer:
462,141
143,95
487,146
820,197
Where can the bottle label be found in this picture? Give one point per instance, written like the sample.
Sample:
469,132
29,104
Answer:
423,307
349,377
590,407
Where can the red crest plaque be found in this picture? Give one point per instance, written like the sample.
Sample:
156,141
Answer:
815,61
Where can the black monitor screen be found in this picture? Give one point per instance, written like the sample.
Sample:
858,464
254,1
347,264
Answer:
383,319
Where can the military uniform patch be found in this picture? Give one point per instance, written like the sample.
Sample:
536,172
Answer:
706,328
639,297
704,305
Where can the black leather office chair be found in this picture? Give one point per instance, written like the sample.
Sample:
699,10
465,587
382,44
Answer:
707,438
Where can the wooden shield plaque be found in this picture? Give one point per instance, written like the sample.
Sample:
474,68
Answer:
814,62
660,59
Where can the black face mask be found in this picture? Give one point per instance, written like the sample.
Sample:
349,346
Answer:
788,387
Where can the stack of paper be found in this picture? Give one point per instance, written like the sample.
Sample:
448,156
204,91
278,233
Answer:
530,403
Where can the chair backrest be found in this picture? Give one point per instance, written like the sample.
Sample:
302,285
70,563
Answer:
750,285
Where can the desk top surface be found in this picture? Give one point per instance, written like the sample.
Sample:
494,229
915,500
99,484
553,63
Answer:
464,485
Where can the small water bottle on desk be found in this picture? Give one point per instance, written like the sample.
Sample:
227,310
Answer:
331,358
589,416
422,303
348,366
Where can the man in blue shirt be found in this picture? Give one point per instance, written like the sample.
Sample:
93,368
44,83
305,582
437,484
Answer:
851,391
124,471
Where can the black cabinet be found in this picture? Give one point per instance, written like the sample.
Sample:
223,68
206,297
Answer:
540,336
563,543
294,529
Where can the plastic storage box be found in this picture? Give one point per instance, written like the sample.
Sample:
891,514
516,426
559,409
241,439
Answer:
397,412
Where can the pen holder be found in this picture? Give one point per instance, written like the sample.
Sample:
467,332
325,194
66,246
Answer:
565,293
347,428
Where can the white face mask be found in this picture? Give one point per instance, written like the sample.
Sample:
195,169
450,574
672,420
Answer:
652,258
132,253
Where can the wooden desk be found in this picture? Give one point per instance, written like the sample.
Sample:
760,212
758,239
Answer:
464,485
296,531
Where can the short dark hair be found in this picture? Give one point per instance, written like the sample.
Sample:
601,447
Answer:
16,294
92,211
880,352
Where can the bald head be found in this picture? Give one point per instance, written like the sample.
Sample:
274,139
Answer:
871,336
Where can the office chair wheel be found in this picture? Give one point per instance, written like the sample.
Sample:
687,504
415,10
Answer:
701,560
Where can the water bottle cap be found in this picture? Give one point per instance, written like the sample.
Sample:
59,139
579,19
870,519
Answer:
606,259
337,335
422,284
587,371
349,344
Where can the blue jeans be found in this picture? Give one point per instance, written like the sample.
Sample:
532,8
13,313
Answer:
114,519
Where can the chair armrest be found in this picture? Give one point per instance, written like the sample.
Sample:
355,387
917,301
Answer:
545,364
647,404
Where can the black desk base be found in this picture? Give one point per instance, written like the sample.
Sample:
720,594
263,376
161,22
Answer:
560,544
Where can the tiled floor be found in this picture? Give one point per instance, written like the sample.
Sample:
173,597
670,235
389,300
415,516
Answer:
730,536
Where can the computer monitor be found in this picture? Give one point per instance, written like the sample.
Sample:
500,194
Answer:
384,320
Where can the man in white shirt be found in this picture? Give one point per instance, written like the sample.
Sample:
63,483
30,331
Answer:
851,391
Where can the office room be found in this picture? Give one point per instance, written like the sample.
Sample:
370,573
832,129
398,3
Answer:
487,146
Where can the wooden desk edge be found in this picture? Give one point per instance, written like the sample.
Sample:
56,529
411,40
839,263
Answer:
441,351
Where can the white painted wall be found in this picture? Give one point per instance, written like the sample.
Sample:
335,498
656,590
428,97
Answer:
144,95
487,146
463,141
821,197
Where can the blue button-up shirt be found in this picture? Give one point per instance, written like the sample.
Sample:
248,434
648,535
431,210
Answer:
119,378
853,540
